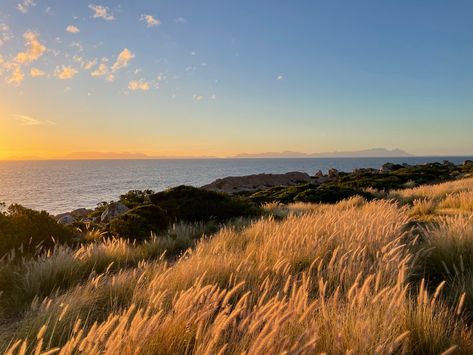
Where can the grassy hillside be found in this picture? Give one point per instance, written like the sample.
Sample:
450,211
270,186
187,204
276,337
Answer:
392,275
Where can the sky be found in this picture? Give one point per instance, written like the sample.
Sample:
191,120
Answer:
222,77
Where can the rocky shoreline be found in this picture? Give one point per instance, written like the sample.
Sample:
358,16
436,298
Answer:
258,182
293,187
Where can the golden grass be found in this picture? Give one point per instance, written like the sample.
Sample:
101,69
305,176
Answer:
433,192
345,278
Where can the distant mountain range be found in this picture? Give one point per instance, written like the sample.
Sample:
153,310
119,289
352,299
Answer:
367,153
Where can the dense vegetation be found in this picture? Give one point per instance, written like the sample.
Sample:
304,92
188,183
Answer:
157,211
23,228
346,185
393,274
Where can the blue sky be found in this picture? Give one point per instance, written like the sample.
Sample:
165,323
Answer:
223,77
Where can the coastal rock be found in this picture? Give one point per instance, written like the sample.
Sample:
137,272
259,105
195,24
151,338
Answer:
467,162
81,213
249,183
319,174
455,174
333,172
448,163
389,167
66,220
113,210
69,218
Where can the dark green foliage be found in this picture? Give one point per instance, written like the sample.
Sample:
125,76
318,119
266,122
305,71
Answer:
101,207
139,222
468,167
135,198
329,194
20,226
346,185
420,174
308,193
190,204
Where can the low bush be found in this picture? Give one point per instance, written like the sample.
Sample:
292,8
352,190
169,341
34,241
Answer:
139,222
28,229
308,193
190,204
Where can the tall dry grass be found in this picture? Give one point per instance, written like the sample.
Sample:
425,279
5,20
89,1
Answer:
433,192
330,279
345,278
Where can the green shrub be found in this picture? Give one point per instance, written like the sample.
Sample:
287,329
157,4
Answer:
139,222
308,193
23,227
190,204
136,198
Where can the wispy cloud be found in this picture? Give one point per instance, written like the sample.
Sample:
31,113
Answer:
89,64
25,5
122,60
279,77
65,72
180,20
72,29
139,85
78,46
5,33
101,12
31,121
36,73
100,71
34,49
150,20
16,74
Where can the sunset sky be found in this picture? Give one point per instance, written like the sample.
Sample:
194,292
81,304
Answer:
221,77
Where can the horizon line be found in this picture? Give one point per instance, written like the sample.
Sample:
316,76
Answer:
242,157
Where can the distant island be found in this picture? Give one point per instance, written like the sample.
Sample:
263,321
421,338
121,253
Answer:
367,153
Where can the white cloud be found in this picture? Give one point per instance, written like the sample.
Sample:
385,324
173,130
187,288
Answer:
101,12
180,20
89,64
150,20
198,97
72,29
16,74
78,59
65,72
122,60
30,121
25,5
36,73
77,45
279,77
100,71
34,49
139,85
5,33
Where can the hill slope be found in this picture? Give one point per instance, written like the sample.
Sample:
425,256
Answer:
394,275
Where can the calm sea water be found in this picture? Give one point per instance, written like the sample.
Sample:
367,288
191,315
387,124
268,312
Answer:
61,186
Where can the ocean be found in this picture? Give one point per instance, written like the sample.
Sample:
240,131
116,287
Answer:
61,186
